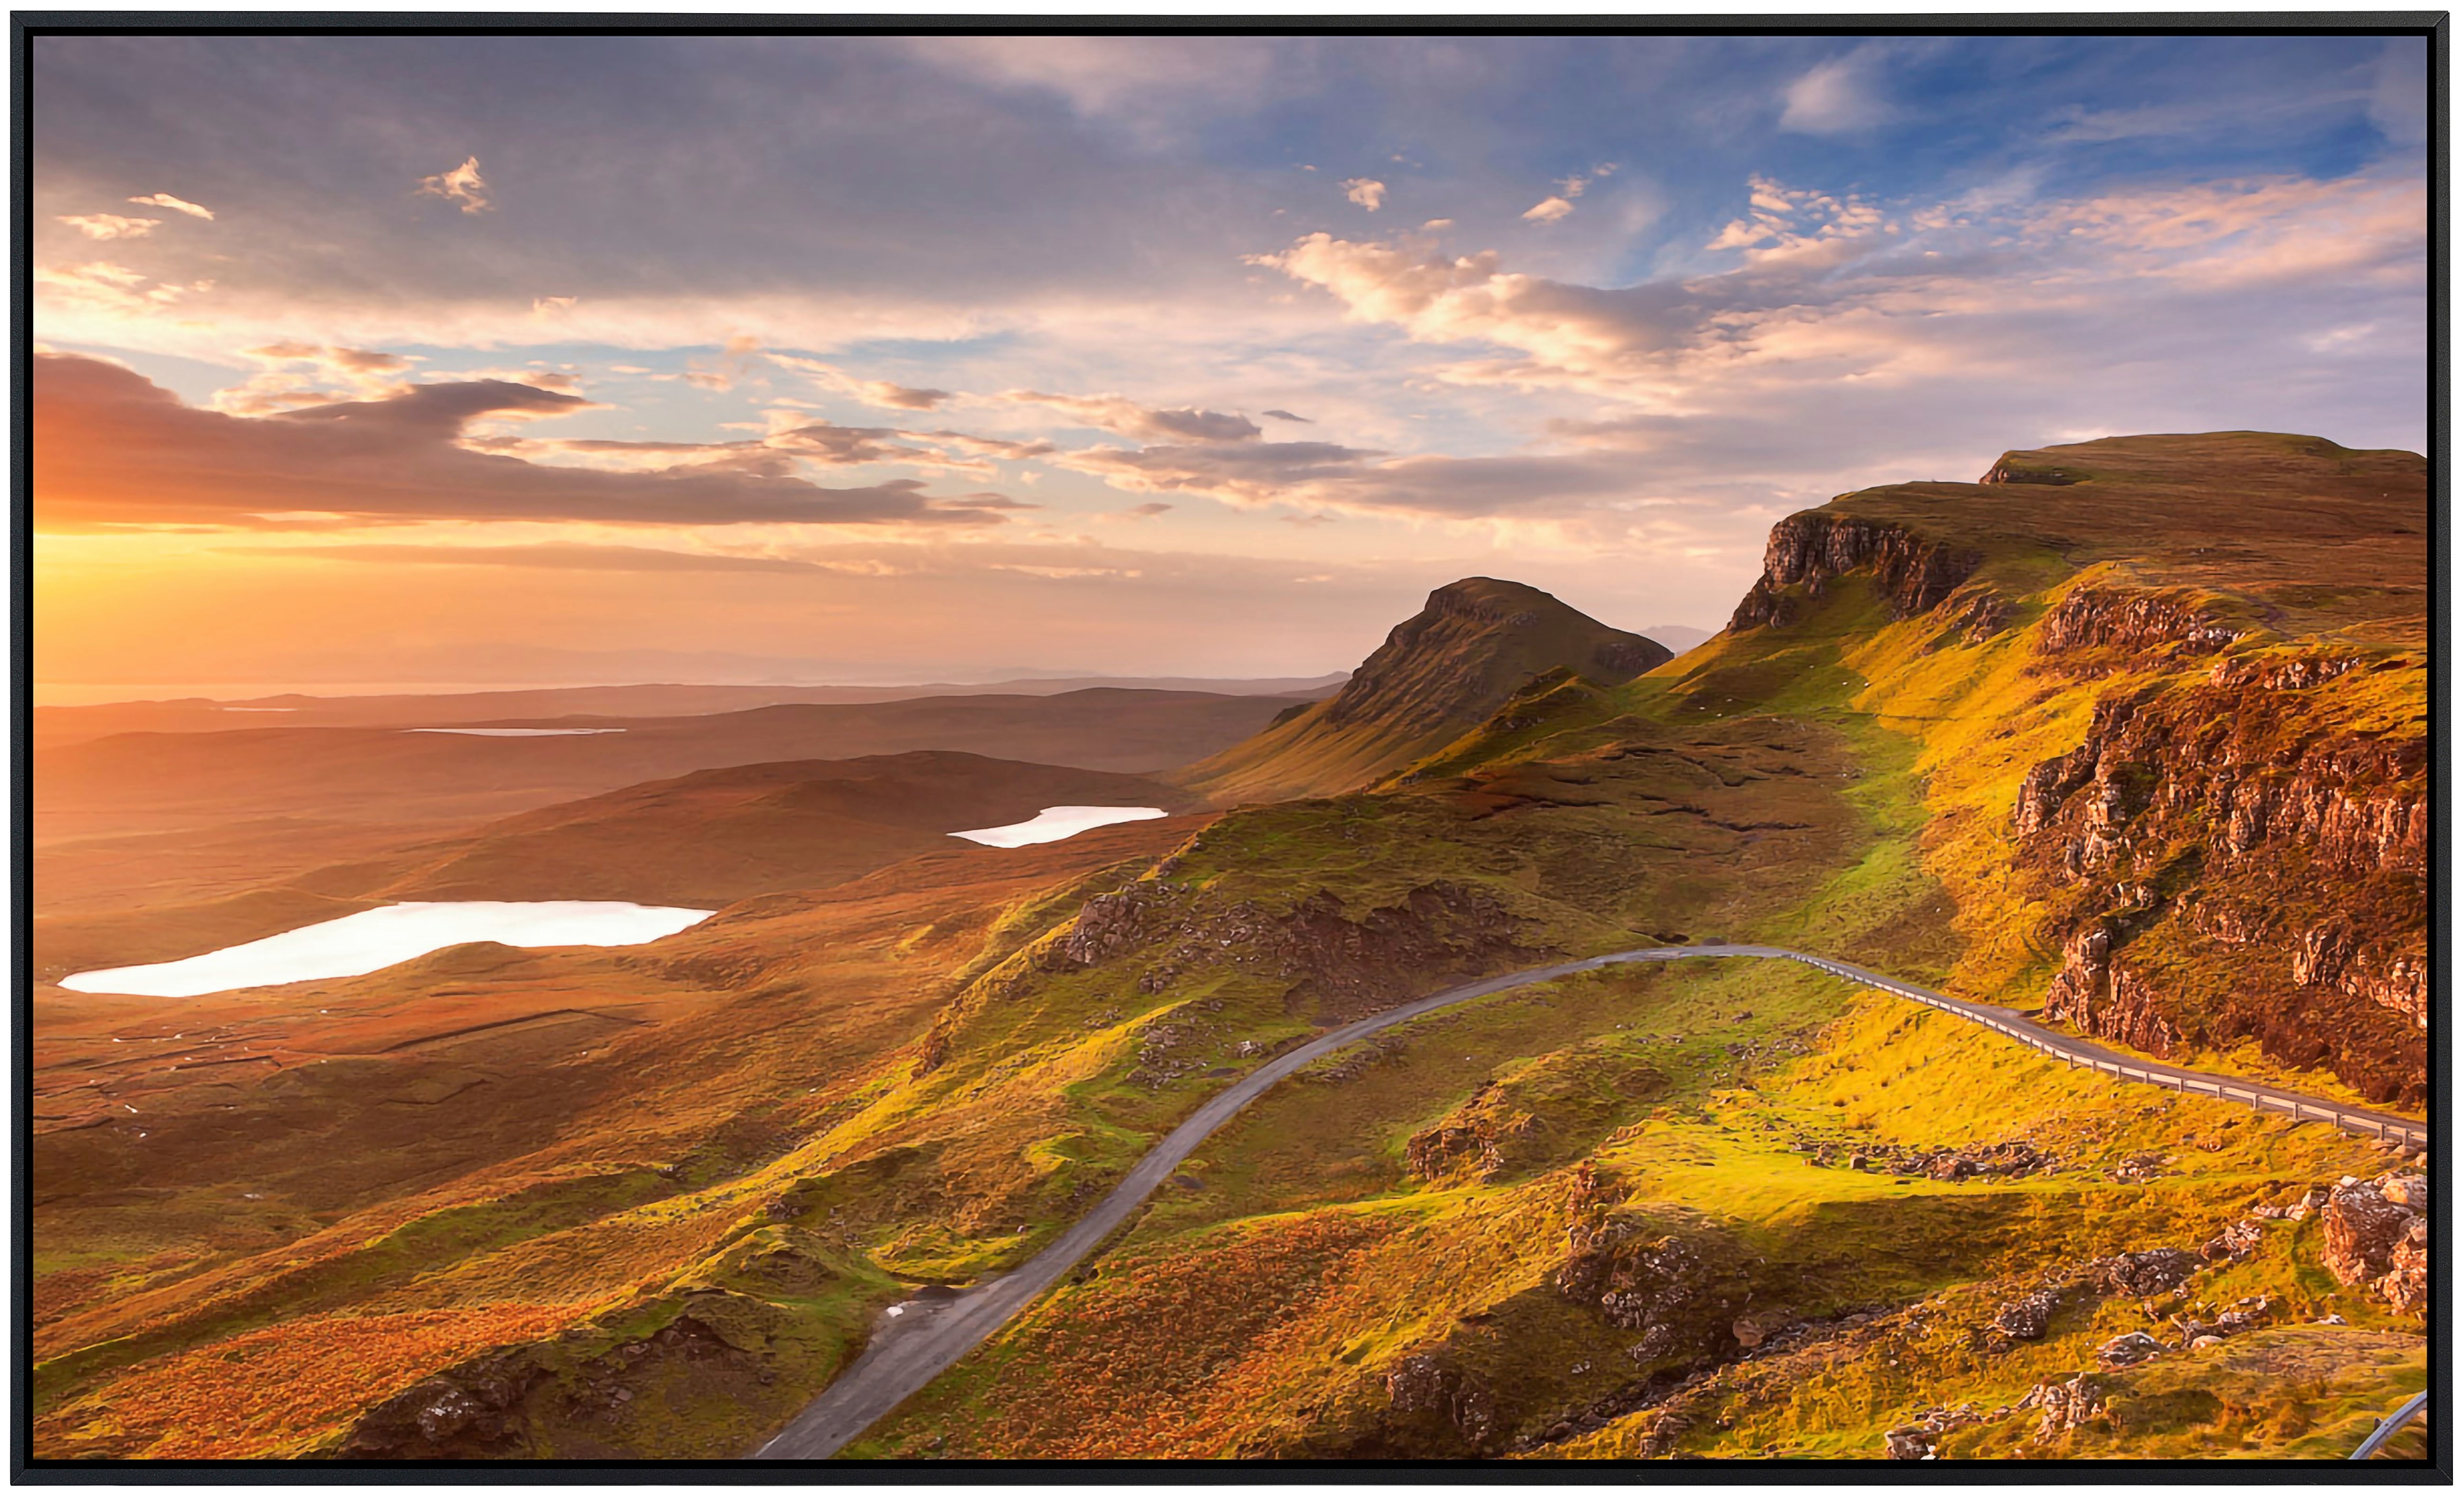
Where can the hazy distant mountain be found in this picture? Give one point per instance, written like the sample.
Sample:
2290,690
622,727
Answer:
55,726
1679,637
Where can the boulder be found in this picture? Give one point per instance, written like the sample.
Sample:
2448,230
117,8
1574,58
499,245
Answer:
2067,1405
2026,1319
2128,1349
2361,1227
2404,1287
2146,1273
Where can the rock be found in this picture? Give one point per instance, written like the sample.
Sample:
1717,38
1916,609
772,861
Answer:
2128,1349
2110,618
1907,1443
1916,574
1749,1333
2361,1227
2236,1242
2206,1343
2404,1287
2026,1319
2294,830
1431,1384
2067,1405
2143,1274
2410,1191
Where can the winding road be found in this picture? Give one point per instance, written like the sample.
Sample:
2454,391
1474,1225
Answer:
920,1339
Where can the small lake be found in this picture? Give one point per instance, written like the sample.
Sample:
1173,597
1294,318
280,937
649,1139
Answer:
1059,824
376,938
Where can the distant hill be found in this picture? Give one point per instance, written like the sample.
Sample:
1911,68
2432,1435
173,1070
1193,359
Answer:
57,726
721,835
1439,674
140,782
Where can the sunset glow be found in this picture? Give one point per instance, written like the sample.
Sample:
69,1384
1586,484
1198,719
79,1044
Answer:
947,358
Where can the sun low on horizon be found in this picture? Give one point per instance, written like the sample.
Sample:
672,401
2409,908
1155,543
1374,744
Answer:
497,359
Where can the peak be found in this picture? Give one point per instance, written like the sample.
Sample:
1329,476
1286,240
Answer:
1439,673
1489,598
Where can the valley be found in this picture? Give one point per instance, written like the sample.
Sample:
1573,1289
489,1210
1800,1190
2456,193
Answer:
1415,1079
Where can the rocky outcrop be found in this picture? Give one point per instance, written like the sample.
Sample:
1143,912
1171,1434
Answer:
2065,1405
2107,1000
2026,1319
2281,673
2360,1227
2406,1283
2263,818
1915,572
475,1411
1919,1438
1431,1385
1683,1291
1485,1134
2133,621
1341,963
2013,468
2141,1275
2128,1349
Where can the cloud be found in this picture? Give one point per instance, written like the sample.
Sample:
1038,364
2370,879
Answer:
111,226
995,446
177,205
1146,511
113,289
1548,210
735,362
1119,413
1285,415
1323,477
1836,98
115,448
462,185
1580,182
298,374
1833,288
1365,191
880,392
551,556
2399,103
1142,81
1435,224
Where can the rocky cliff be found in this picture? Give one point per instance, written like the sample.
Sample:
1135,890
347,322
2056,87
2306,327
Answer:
1810,549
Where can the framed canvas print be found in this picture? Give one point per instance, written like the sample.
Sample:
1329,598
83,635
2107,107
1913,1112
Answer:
774,749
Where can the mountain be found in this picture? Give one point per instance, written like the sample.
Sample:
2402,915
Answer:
2059,742
1440,673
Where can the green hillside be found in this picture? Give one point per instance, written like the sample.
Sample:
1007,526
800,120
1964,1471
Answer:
2059,741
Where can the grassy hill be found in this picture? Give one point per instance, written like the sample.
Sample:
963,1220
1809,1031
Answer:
647,1203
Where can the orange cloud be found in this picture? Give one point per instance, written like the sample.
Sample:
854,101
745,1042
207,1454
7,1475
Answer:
113,449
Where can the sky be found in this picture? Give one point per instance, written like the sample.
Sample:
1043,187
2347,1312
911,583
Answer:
424,360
